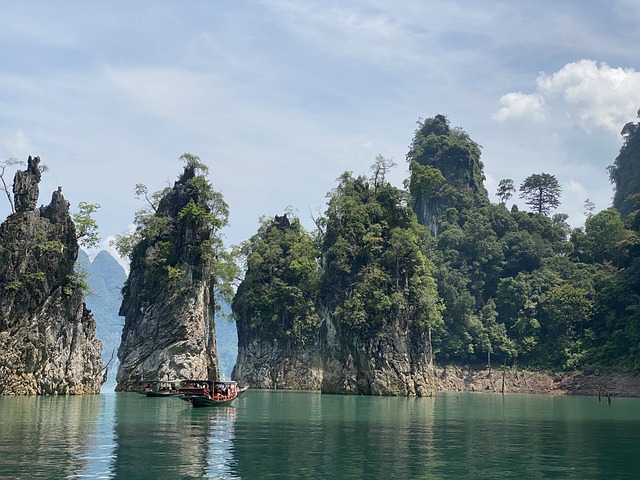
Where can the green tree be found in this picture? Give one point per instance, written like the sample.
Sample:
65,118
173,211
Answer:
566,309
542,192
589,208
279,292
505,190
624,173
604,233
86,226
380,168
424,181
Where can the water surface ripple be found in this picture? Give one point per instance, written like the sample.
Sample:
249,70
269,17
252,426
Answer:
284,434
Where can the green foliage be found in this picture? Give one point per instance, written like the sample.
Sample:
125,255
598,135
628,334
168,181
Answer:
565,311
376,265
51,246
454,156
624,173
542,192
279,292
198,214
514,288
493,286
424,180
35,277
14,286
181,225
77,280
86,226
505,190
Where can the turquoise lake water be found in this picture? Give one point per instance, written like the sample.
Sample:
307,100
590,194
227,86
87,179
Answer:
280,434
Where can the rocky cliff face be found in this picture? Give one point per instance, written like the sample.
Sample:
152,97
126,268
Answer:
395,362
168,305
307,331
266,363
47,335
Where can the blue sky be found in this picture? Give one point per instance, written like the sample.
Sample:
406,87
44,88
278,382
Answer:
280,97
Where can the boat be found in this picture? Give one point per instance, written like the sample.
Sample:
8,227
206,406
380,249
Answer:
160,389
207,393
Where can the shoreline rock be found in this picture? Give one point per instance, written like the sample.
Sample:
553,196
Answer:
453,378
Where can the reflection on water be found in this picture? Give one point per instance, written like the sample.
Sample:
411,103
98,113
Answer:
167,438
308,435
54,437
276,434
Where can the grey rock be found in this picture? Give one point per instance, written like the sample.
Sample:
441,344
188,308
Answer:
47,335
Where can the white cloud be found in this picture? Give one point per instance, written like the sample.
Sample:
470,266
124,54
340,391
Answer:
595,96
521,106
591,95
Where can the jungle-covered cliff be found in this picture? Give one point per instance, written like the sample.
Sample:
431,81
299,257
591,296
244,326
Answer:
47,335
348,311
169,298
276,309
482,284
524,288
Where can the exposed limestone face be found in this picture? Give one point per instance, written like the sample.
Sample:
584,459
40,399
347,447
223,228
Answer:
47,336
165,338
395,362
25,186
168,304
265,365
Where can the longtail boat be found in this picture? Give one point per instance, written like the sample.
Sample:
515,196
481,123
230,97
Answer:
207,393
161,389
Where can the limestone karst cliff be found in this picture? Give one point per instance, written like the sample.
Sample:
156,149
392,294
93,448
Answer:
446,171
47,335
275,309
169,296
352,316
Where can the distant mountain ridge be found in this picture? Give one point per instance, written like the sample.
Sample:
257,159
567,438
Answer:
105,277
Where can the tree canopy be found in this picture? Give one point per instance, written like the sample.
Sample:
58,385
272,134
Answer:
492,285
279,292
624,172
542,192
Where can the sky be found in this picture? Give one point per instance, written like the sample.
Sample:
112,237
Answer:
280,97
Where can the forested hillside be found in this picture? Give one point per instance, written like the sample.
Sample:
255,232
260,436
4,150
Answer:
522,287
514,287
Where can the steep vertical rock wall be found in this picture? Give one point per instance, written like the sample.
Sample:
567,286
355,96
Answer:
263,363
169,330
394,362
47,335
